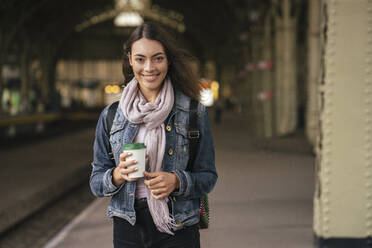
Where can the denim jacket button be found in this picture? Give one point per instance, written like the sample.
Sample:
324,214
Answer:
170,151
168,128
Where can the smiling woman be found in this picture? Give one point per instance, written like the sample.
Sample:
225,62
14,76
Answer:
161,208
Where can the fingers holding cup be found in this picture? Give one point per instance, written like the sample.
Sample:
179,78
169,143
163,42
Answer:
126,168
124,155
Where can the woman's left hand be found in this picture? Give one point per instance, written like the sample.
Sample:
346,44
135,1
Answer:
161,183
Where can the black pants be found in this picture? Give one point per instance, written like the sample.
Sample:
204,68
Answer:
144,233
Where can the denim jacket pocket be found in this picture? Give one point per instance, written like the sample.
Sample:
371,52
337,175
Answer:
186,211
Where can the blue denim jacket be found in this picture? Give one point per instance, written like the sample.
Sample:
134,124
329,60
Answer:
200,181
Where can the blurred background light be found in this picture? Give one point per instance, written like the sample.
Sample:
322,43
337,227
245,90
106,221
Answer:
128,19
112,89
214,88
206,97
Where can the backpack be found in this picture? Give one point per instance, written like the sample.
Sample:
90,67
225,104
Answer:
193,135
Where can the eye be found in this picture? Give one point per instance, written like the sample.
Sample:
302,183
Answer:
139,60
159,59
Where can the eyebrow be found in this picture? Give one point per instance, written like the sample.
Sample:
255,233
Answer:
156,54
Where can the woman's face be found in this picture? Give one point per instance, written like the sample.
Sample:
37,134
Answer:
150,66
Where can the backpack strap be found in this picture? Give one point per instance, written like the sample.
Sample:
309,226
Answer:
109,121
193,134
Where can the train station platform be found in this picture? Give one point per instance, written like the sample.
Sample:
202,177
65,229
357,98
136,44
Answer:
38,173
263,197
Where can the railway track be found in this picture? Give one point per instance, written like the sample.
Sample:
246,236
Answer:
36,230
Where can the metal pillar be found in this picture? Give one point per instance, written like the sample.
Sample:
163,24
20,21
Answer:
256,85
343,197
267,78
285,78
313,75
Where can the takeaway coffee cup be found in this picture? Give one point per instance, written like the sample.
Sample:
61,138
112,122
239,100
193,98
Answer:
138,151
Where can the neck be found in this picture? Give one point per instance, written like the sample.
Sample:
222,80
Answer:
150,95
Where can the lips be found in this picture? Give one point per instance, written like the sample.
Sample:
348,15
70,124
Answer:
151,77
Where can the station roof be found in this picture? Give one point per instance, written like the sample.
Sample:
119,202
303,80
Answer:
212,28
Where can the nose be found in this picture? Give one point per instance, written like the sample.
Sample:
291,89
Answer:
149,65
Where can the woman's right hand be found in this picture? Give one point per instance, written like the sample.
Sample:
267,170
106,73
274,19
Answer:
120,173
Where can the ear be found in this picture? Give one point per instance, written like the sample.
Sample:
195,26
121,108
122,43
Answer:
130,59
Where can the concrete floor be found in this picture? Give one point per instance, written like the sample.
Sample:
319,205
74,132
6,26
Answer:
263,197
36,174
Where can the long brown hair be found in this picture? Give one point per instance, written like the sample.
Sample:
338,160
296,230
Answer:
179,69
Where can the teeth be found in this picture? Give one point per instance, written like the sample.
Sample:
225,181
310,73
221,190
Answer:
150,77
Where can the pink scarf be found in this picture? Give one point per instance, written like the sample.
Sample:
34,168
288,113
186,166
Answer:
137,110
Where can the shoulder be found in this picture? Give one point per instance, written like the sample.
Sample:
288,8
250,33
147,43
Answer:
108,110
183,102
111,109
105,110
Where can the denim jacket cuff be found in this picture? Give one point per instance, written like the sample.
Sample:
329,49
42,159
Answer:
185,183
182,181
110,188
